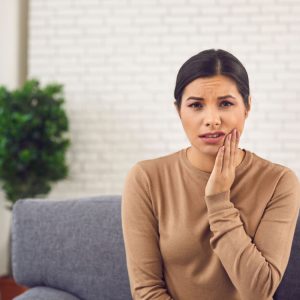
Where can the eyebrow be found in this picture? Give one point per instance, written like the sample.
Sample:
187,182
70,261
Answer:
202,99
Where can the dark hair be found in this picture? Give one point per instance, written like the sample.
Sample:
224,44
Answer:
209,63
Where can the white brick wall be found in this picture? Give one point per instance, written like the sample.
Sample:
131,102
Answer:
118,60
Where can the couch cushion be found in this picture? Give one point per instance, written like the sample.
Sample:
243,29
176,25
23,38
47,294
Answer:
45,293
71,245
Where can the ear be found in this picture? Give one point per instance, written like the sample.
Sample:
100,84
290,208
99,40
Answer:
249,102
178,111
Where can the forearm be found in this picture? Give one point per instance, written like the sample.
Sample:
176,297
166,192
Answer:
255,271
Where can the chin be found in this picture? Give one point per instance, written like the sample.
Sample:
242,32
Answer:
212,151
208,149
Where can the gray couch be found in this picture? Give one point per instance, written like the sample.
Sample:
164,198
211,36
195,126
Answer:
70,249
74,249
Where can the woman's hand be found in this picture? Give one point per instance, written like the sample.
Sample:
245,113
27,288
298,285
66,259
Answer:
223,173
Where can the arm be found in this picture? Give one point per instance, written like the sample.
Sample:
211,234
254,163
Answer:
256,266
141,239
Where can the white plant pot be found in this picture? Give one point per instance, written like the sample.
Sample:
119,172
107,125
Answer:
5,226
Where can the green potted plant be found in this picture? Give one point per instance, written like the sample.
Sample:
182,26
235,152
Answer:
32,144
33,141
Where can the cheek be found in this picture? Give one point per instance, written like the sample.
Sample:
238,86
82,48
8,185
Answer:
189,123
238,123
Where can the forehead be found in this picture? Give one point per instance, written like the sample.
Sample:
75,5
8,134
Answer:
216,84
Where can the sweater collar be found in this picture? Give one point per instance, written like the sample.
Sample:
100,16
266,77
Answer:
197,172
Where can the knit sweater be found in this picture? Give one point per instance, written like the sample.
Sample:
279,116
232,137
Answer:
183,245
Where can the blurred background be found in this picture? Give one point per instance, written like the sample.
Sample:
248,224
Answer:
118,62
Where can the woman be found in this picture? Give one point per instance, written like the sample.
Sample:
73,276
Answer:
211,221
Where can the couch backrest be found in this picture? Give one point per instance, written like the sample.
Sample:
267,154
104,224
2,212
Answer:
72,245
289,287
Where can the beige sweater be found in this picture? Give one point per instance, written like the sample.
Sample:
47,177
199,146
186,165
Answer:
182,245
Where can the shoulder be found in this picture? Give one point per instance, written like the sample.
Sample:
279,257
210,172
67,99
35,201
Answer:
161,162
154,168
143,171
263,165
270,172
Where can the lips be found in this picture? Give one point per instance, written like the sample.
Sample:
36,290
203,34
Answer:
212,140
214,134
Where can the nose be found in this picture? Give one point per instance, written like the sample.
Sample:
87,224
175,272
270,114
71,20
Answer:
212,117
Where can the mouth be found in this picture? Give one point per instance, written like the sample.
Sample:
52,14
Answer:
212,138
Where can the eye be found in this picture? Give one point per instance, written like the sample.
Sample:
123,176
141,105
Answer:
227,102
195,105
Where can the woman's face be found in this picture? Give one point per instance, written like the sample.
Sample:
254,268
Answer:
220,109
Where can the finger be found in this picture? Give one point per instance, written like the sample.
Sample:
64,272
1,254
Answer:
227,153
232,149
219,160
237,138
237,144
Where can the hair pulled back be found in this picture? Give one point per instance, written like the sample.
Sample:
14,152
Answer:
209,63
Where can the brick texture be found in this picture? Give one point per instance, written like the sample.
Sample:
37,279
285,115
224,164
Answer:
118,61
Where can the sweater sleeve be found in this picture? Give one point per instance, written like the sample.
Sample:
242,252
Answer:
141,239
256,266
